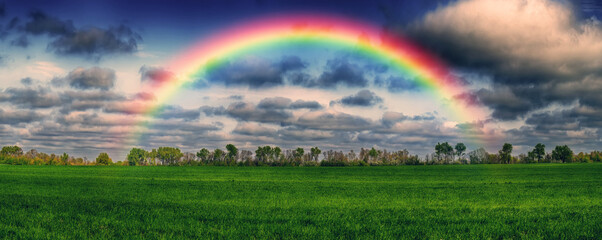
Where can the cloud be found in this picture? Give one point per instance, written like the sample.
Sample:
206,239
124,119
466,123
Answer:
169,112
213,111
154,74
30,97
255,72
253,129
536,51
90,42
18,117
96,42
248,112
338,72
296,134
397,84
363,98
390,118
26,81
299,104
286,103
21,41
332,120
40,23
291,63
274,103
91,78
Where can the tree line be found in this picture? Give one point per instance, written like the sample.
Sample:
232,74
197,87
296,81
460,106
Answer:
444,153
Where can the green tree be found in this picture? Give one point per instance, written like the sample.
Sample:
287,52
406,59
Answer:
299,153
563,153
232,152
373,153
169,155
277,151
103,159
539,152
65,158
217,154
203,155
14,151
444,150
137,156
460,148
506,153
315,153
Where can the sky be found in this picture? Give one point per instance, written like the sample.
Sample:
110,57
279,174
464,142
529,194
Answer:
79,77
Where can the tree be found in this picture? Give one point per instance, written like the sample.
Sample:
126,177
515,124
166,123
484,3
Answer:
444,149
277,152
65,158
506,153
103,159
152,156
315,153
299,153
14,151
460,148
563,153
232,151
203,155
373,153
169,155
136,156
217,154
539,152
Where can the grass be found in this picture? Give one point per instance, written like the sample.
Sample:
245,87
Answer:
535,201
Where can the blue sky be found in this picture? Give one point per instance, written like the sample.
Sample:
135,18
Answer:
71,69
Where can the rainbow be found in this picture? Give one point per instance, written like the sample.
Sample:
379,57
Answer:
401,55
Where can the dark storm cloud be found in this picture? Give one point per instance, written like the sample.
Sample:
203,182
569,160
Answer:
18,117
363,98
90,42
2,9
290,63
170,112
398,84
91,78
21,41
96,42
154,74
536,55
255,72
504,102
40,23
337,72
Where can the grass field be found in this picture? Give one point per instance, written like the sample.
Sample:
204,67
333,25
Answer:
454,201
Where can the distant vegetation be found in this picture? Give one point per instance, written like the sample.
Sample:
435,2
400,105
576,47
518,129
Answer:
275,156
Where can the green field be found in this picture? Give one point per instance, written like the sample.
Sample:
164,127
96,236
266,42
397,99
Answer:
450,201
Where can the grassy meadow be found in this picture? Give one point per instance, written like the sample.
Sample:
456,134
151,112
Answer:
533,201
